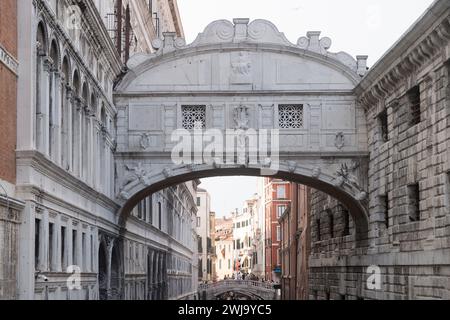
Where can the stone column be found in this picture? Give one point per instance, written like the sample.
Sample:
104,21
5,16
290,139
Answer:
26,253
109,249
89,251
79,252
69,131
42,113
149,274
70,244
43,243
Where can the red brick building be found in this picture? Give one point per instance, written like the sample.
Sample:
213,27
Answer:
8,89
277,195
9,207
295,244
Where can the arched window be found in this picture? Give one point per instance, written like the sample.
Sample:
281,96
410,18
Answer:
53,99
41,86
65,116
85,133
76,124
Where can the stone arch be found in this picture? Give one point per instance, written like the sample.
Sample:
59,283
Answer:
76,82
42,36
66,69
55,54
85,93
317,177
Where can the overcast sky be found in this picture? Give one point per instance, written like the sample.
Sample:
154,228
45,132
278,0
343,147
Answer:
358,27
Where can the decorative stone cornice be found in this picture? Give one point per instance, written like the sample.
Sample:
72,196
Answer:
40,163
426,39
242,33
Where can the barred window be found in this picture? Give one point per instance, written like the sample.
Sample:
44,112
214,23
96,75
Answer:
291,116
194,117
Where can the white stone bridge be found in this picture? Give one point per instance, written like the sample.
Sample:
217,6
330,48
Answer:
245,76
255,290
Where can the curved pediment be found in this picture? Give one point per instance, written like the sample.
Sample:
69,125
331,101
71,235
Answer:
242,56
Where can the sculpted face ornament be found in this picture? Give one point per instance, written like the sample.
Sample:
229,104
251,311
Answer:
316,172
340,140
292,166
144,141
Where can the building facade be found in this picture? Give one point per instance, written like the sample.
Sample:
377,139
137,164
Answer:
277,200
243,240
406,97
10,207
155,273
66,138
205,243
295,244
224,243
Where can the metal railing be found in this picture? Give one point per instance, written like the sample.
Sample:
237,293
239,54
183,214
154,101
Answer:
234,283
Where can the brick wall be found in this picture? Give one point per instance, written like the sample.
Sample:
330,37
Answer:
8,91
409,185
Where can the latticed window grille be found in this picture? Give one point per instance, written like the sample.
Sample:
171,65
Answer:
194,117
291,116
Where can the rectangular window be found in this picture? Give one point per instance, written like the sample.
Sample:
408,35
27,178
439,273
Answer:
281,210
198,222
193,117
319,236
290,116
63,247
51,227
346,217
414,202
384,203
281,192
229,263
414,101
220,264
37,235
159,216
74,247
383,123
278,233
83,249
198,201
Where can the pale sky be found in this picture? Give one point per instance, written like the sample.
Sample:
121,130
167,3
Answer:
358,27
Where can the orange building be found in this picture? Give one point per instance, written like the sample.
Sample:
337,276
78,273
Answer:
295,244
277,199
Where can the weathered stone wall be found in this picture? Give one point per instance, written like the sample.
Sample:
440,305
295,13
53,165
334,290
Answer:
409,178
9,219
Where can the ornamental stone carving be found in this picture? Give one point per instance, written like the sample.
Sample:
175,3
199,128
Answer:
241,117
241,66
144,141
346,177
340,140
138,173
